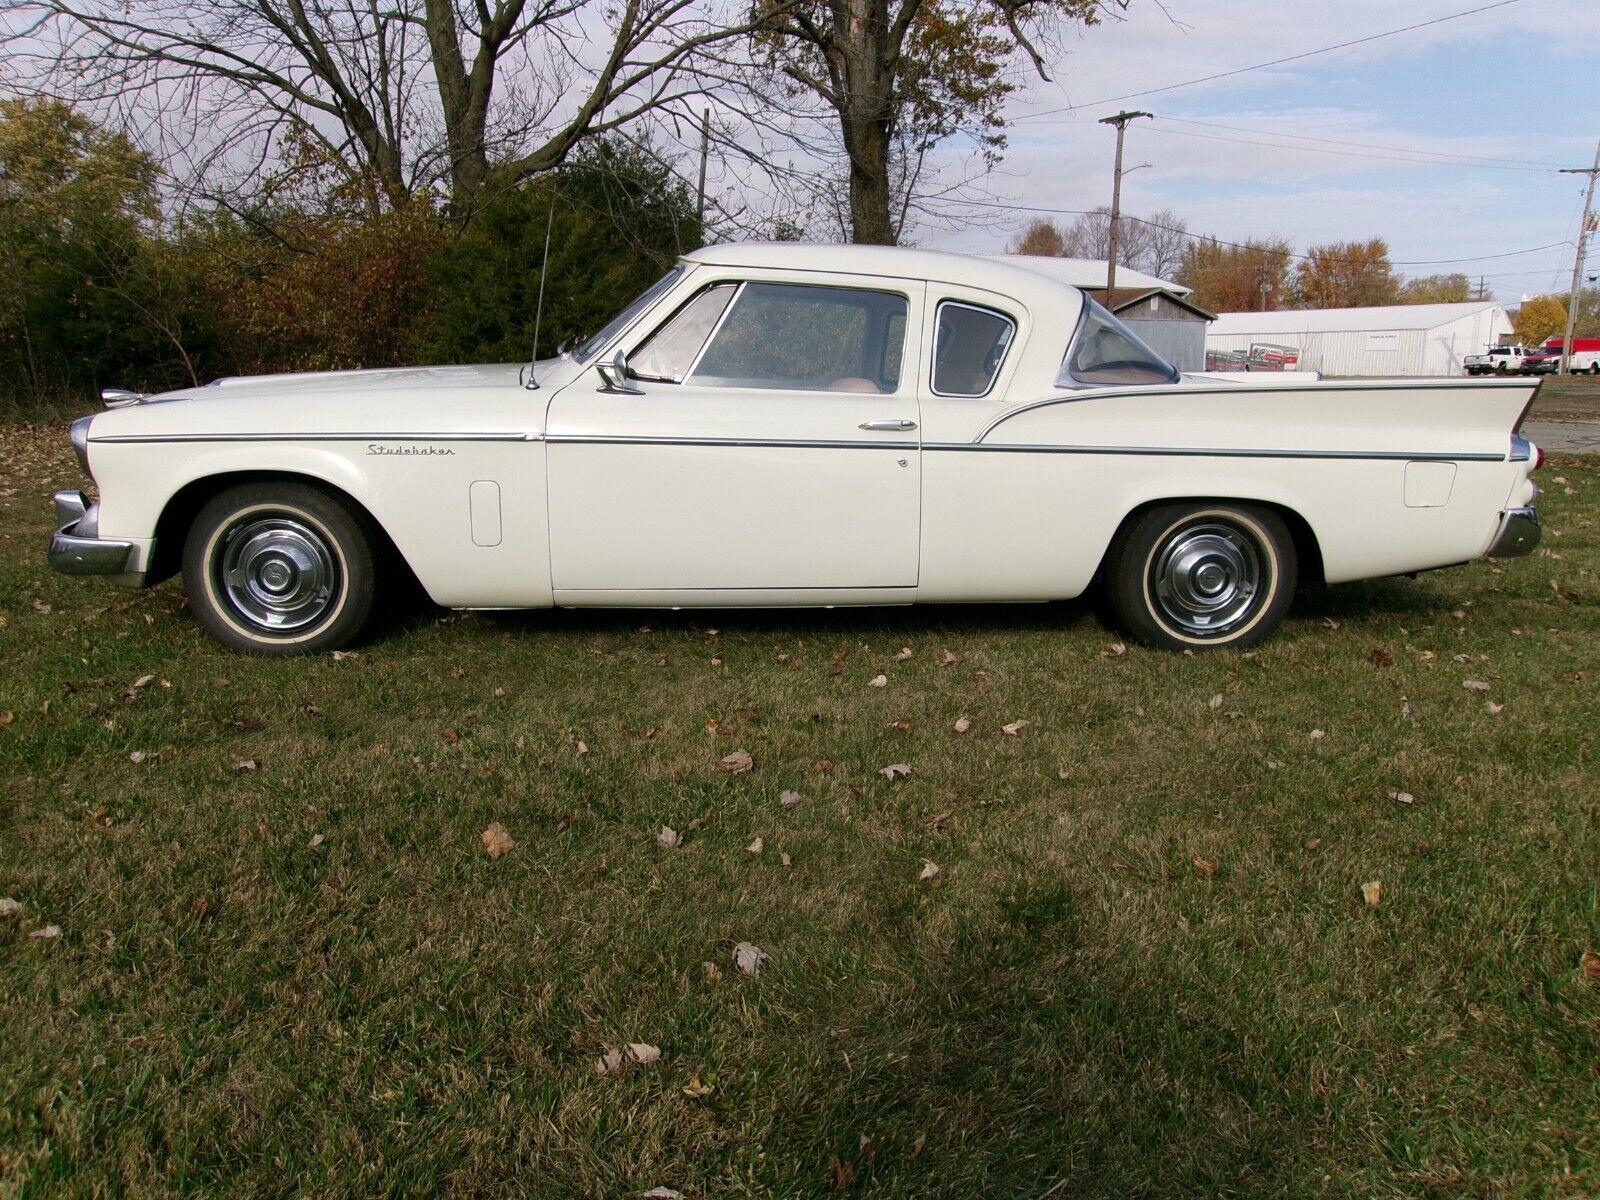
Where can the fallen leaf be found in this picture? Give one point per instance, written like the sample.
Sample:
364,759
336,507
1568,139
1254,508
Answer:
1115,650
1313,844
824,764
9,907
1372,893
669,838
1380,658
737,763
748,957
878,681
1402,797
1205,866
137,757
785,860
836,667
451,736
39,606
1215,701
712,971
7,717
1014,728
1475,685
608,1063
643,1052
1590,964
581,747
1329,623
341,655
754,847
788,799
949,660
716,662
496,841
46,933
896,771
662,1193
840,1174
903,654
963,724
316,840
929,869
695,1089
239,763
144,681
1494,709
1317,735
919,1145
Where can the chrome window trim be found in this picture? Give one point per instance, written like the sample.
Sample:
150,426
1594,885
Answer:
722,320
1065,372
646,300
642,344
933,359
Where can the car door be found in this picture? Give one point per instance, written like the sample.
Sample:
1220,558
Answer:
764,438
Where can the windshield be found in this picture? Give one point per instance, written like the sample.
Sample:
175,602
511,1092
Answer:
1107,351
625,318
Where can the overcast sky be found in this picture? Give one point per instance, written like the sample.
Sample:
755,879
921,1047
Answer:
1519,82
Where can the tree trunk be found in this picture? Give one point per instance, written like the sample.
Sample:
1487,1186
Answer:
866,115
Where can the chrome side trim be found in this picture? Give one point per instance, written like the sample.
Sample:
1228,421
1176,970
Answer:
584,439
1168,389
1518,534
1213,452
317,437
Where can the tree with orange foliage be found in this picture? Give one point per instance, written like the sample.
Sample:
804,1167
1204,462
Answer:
1346,275
1538,318
1253,277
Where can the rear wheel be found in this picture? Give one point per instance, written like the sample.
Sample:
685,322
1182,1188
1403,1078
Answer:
280,568
1202,576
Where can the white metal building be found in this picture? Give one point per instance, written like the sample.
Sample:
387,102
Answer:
1401,339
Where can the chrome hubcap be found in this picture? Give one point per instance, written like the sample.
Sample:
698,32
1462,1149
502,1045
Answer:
1206,578
277,573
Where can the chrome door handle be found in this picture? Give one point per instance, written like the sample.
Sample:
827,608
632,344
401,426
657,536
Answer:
889,426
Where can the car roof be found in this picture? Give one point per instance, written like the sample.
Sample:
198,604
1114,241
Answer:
1007,277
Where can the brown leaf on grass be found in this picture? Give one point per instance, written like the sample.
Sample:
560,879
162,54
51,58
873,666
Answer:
451,736
755,847
836,667
669,838
1014,728
1475,685
581,747
841,1174
878,681
1329,623
736,763
963,724
341,655
1372,893
139,756
1313,844
496,841
1115,650
788,799
457,673
1494,709
7,717
712,971
608,1063
1402,797
749,957
785,860
9,907
643,1053
1205,866
929,869
46,933
696,1088
948,659
1589,964
661,1193
1380,658
143,681
918,1146
898,726
237,762
39,606
896,771
1317,735
903,653
824,764
1215,701
316,840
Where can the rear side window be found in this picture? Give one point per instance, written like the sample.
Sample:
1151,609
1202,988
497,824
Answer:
1107,352
970,345
807,338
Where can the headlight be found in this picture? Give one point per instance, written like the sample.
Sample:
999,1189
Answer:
80,442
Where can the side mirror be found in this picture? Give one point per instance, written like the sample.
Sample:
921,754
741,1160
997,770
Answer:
614,376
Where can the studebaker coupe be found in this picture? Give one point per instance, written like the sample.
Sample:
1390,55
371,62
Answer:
801,425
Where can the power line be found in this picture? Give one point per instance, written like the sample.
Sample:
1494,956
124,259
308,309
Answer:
1277,62
1442,156
1217,137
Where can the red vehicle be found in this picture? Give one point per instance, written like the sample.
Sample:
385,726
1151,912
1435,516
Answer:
1546,360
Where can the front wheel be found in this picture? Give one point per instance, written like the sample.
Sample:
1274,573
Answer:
280,568
1202,576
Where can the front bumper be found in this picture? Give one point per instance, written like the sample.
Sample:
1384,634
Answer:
1518,533
76,547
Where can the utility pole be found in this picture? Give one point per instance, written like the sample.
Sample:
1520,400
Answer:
705,154
1121,122
1584,230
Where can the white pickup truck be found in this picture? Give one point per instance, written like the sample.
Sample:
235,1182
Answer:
1502,360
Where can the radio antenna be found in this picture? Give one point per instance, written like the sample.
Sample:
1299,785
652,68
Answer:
538,312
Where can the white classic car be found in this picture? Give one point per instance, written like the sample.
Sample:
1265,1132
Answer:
801,425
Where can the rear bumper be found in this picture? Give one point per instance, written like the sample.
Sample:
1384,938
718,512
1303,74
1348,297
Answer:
76,547
1518,533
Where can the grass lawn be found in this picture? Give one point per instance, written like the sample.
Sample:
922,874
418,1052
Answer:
1144,965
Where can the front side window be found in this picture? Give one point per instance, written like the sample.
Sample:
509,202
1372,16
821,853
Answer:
969,346
1107,352
671,350
807,338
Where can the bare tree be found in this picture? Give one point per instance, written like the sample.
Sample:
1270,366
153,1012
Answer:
403,95
898,77
1153,244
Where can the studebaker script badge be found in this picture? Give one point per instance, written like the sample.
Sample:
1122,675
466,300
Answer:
379,448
